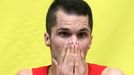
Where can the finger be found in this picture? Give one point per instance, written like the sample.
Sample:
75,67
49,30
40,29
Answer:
76,61
67,54
81,57
86,71
77,51
76,56
72,54
80,64
76,71
55,63
74,42
81,52
63,53
72,49
81,70
55,66
68,60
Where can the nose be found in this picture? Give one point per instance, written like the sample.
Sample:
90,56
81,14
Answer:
74,39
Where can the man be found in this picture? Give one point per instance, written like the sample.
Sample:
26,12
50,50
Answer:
69,28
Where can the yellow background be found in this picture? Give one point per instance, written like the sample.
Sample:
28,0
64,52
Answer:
22,25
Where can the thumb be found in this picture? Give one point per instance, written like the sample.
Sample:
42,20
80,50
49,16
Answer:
54,63
55,67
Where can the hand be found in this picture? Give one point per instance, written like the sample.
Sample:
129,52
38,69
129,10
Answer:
80,66
72,61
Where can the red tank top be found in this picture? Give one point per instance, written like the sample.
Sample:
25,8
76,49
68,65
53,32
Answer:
94,69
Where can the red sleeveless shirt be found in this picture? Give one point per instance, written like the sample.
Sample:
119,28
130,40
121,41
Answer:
94,69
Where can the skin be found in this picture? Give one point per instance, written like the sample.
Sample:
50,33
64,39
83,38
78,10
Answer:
69,42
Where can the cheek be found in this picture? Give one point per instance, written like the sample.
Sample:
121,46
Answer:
57,45
58,42
85,45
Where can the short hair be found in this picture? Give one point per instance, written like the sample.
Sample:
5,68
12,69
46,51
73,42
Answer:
77,7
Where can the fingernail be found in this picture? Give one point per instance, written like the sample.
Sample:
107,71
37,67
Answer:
76,46
66,43
74,54
69,42
77,42
71,45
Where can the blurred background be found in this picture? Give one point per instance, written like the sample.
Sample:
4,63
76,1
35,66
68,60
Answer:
22,28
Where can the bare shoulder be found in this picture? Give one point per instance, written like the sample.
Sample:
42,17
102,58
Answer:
112,71
24,72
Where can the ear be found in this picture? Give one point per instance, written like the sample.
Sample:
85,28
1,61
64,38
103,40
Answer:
90,41
47,39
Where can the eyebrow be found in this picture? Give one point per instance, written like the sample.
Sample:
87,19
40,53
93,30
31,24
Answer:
84,29
64,29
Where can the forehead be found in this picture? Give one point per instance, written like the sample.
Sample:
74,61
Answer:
71,20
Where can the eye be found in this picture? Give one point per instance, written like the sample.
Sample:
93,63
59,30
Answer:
82,35
64,34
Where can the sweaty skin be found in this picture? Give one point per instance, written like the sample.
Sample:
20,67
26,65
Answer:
69,42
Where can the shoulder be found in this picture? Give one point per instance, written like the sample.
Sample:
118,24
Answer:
112,71
24,72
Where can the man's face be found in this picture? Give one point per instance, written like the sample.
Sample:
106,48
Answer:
69,28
